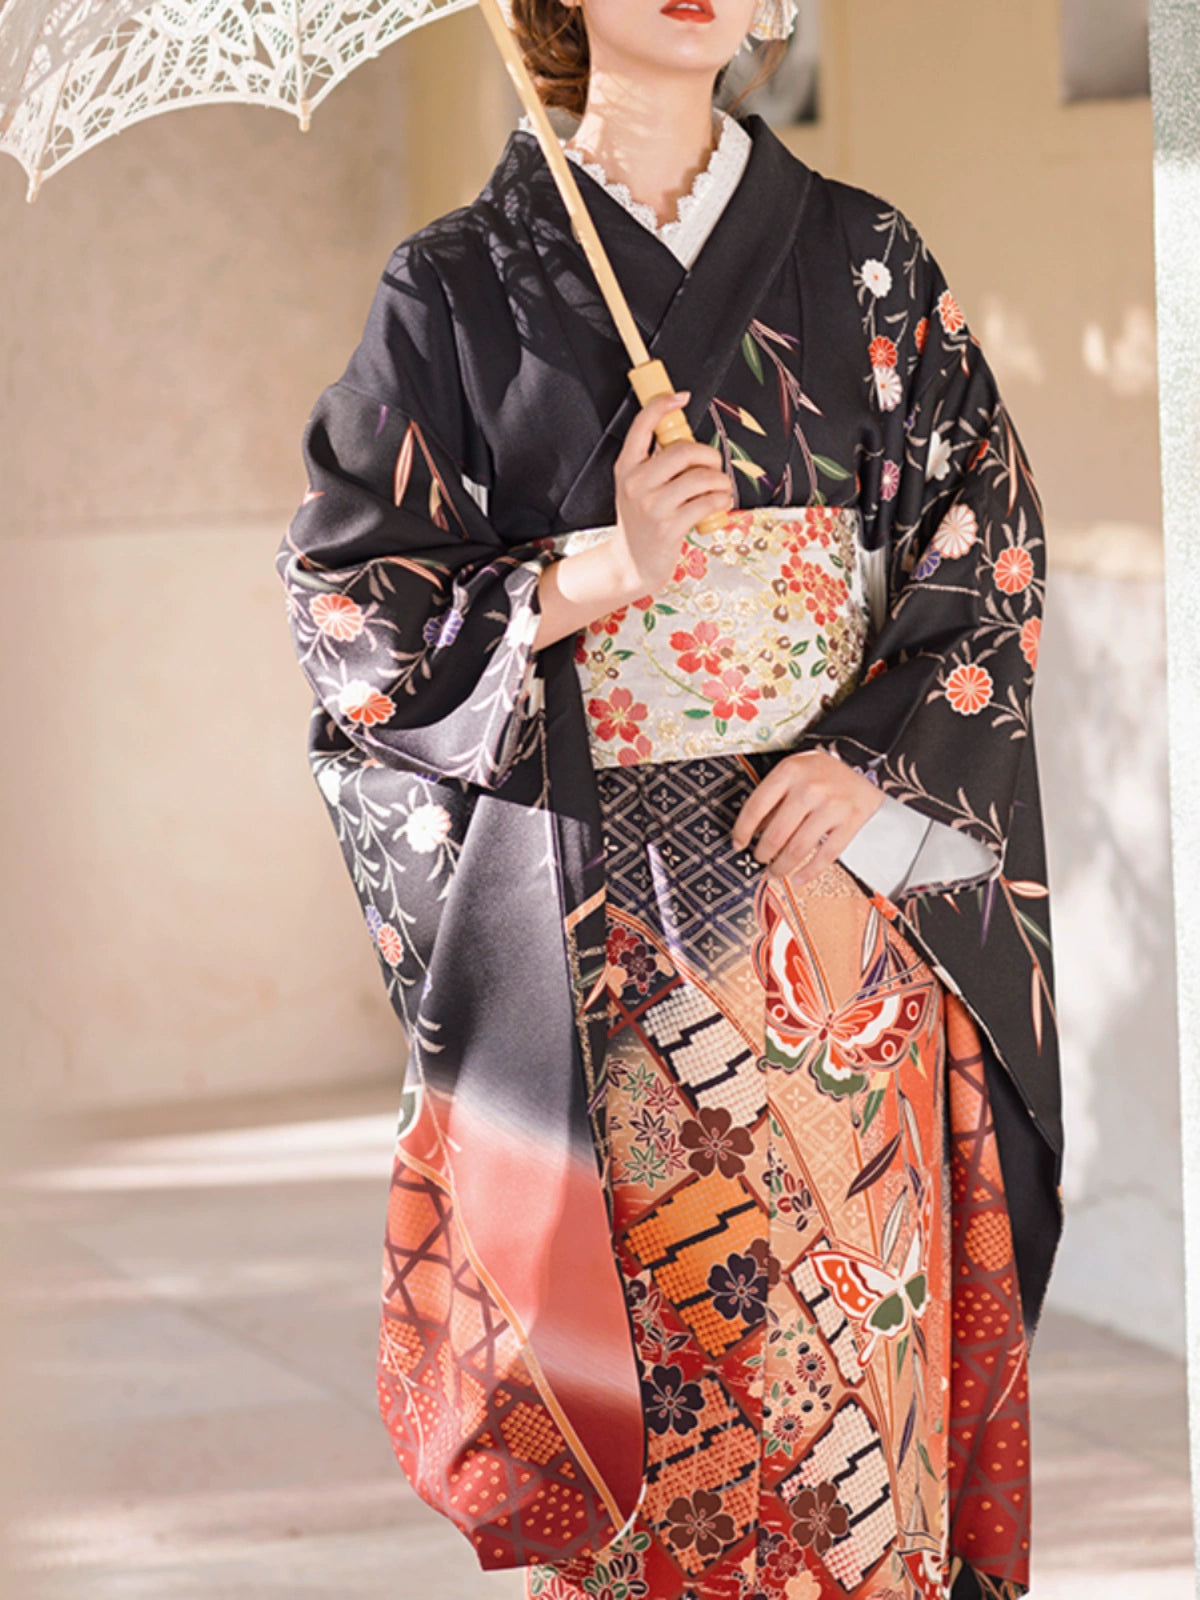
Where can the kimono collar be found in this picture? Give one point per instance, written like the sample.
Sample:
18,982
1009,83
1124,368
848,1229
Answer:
692,319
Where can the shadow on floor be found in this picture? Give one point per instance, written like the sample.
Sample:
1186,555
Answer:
195,1299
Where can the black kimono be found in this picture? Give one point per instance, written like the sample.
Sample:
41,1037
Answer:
722,1210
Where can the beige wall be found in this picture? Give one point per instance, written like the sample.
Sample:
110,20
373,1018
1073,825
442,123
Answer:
179,923
177,920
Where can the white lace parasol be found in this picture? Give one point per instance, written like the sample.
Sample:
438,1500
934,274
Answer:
74,72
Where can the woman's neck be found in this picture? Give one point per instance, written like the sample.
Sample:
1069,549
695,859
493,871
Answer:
654,143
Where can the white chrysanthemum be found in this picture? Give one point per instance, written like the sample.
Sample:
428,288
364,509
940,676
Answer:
938,463
877,277
426,827
888,387
957,532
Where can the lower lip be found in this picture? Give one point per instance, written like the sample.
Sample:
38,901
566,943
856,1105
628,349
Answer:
688,16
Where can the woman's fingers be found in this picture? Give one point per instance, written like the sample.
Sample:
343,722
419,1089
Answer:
786,776
636,444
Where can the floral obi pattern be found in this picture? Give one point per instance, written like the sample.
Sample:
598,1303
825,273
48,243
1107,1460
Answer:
762,627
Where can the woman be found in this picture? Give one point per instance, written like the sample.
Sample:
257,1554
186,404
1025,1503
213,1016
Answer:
705,871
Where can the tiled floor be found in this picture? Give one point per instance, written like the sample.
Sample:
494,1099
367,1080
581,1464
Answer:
195,1403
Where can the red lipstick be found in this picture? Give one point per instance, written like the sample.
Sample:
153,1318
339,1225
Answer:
689,10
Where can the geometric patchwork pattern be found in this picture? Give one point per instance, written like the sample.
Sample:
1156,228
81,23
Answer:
989,1391
466,1422
849,1454
798,1428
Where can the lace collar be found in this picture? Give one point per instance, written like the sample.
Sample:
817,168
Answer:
697,210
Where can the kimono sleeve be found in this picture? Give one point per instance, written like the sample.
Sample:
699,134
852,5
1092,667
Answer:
412,619
942,715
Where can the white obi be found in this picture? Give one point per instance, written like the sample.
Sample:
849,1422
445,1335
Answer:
762,627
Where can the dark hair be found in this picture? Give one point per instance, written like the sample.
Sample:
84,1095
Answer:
553,39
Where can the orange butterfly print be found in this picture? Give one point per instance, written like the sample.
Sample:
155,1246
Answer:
840,1044
879,1299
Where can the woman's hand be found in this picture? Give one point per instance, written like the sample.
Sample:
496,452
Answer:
660,496
805,799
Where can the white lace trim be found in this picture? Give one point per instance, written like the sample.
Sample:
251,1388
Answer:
697,210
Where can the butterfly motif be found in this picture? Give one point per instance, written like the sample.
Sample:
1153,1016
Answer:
841,1044
881,1300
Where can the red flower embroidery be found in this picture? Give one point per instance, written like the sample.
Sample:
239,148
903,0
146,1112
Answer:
969,688
618,716
882,352
365,705
1031,635
820,1517
732,695
920,332
700,650
951,317
610,622
692,564
1014,569
874,670
337,615
639,750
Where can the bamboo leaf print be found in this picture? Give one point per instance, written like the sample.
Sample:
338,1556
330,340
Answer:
753,360
895,1220
404,463
750,422
873,1102
914,1133
909,1424
1031,890
1031,928
751,468
875,1168
1036,1005
925,1462
830,468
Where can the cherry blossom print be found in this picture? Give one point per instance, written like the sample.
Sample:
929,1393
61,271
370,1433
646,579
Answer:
876,277
697,1520
364,704
617,717
609,623
739,1287
819,1517
391,946
701,648
1031,633
715,1142
632,958
949,314
889,481
693,563
1014,569
957,531
426,827
337,616
940,452
637,750
672,1405
732,695
969,688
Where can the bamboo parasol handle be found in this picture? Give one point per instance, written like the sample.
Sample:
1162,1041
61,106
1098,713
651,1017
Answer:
648,377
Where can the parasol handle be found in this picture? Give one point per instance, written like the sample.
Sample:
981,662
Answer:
648,377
